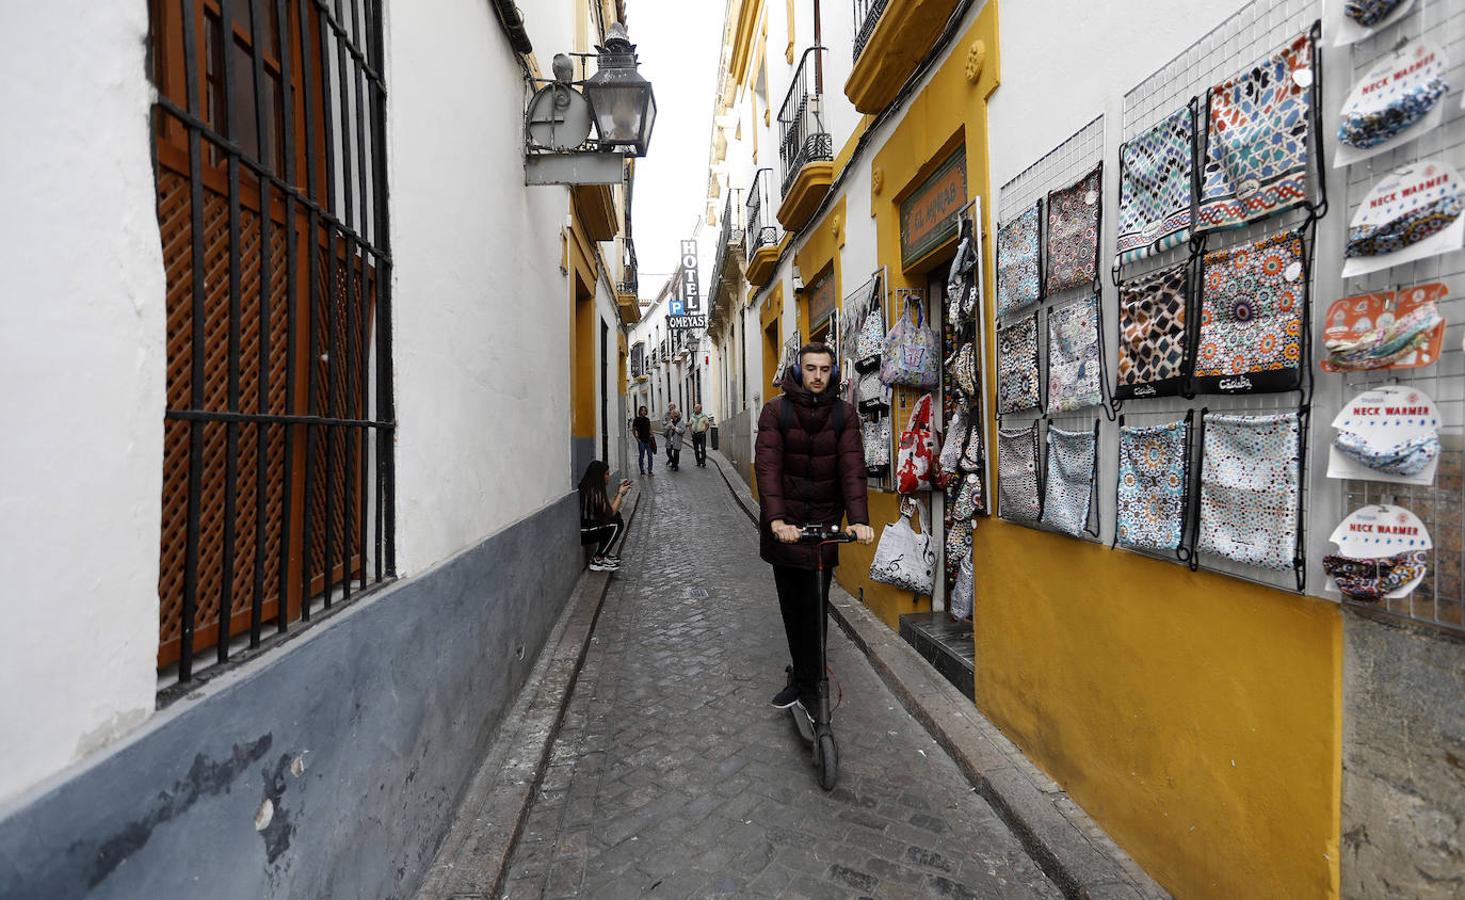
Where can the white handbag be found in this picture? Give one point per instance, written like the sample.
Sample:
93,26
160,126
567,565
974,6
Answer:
960,601
904,558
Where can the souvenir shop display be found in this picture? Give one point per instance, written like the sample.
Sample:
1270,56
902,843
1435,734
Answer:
1154,483
1072,254
1396,102
961,284
959,604
958,545
1252,322
871,394
1018,497
1074,367
1259,139
1385,330
1412,213
1019,283
1250,487
875,433
1153,334
904,557
1068,489
1350,21
915,465
1383,553
1387,433
911,355
962,367
870,342
1018,381
1155,188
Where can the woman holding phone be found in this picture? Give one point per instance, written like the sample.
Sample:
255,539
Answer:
601,523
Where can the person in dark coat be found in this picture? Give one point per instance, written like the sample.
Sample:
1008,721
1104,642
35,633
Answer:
810,468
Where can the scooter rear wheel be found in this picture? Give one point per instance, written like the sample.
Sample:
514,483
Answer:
826,761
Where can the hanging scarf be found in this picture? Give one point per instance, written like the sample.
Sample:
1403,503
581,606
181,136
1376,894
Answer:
1369,13
1153,474
1250,488
1073,356
1364,128
1017,473
1403,458
1073,234
1155,171
1380,346
1408,228
1252,298
1017,366
1069,487
1152,333
1018,283
1372,580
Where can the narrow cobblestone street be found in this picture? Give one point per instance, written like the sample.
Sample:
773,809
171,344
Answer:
672,776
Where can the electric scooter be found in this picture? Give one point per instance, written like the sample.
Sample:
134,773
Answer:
816,729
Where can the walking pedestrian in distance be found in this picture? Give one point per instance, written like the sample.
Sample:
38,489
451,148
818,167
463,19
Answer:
675,429
698,425
601,523
810,465
671,410
645,442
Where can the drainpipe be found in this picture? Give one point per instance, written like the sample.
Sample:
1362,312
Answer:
513,24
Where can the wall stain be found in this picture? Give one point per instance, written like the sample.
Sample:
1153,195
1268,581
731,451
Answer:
278,833
205,778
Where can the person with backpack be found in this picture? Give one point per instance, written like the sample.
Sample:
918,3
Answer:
809,461
601,523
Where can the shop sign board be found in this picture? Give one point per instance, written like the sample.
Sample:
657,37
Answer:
691,288
689,320
928,215
821,299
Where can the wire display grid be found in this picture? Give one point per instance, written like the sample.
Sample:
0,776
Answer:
1439,600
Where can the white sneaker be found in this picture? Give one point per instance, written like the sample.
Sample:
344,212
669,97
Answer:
602,565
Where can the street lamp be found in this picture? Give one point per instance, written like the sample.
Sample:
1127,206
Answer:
624,105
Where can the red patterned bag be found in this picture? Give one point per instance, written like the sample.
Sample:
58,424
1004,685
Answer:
915,467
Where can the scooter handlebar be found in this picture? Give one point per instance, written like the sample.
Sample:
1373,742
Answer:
824,534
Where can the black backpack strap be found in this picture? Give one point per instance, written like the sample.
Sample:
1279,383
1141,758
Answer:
785,416
838,419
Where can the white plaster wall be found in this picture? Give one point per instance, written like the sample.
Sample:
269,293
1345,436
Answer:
481,303
82,361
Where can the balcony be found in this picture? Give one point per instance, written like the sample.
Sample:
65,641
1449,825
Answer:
761,234
892,37
804,143
722,289
627,289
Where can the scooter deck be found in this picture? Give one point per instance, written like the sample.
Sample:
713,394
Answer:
803,723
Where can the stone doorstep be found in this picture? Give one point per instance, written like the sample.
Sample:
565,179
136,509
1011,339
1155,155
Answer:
487,821
1070,846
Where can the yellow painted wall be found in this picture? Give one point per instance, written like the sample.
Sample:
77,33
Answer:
822,243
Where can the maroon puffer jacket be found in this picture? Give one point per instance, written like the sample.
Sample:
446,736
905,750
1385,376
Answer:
808,477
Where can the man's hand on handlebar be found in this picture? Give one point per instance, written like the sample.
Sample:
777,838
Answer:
786,533
863,533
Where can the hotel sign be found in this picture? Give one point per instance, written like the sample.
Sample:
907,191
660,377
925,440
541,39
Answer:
928,216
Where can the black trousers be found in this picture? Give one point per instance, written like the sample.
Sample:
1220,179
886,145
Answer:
605,537
699,447
674,457
799,593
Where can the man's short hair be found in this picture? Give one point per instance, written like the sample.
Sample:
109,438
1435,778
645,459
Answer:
816,347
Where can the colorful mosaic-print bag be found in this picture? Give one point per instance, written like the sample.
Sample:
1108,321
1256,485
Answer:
1073,234
1069,487
1152,334
1017,474
1154,467
1251,322
1258,140
1156,171
1073,356
1018,282
1017,366
1249,489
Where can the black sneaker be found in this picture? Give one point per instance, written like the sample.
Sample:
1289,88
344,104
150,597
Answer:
809,703
786,697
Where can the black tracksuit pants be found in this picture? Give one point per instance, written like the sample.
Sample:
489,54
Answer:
799,592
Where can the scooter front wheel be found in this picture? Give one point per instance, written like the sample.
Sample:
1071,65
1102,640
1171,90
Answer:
826,761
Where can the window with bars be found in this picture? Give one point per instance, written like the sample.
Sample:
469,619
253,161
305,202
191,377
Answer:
270,174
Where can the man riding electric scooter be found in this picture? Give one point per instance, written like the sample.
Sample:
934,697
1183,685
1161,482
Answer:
810,465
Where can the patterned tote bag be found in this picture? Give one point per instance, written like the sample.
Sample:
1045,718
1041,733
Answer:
1152,334
1249,489
1069,488
1017,474
1017,366
1259,134
1073,356
1073,234
1155,178
1251,322
1018,248
1154,467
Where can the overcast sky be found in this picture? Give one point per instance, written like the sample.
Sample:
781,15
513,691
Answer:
678,42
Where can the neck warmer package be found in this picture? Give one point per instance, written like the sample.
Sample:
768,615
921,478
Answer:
1258,140
1069,487
1154,471
1073,356
1380,346
1252,298
1152,333
1408,457
1249,489
1405,208
1155,172
1017,474
1393,97
1017,366
1371,580
1073,234
1369,13
1017,261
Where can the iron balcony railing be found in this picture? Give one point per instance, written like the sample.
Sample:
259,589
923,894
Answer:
867,16
732,218
802,136
630,280
761,228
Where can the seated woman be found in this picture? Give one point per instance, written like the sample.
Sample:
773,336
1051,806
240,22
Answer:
600,516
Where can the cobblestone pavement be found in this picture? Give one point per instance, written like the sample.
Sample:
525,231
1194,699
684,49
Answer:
673,777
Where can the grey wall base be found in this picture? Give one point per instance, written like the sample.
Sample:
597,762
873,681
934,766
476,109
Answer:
582,451
328,768
1403,760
